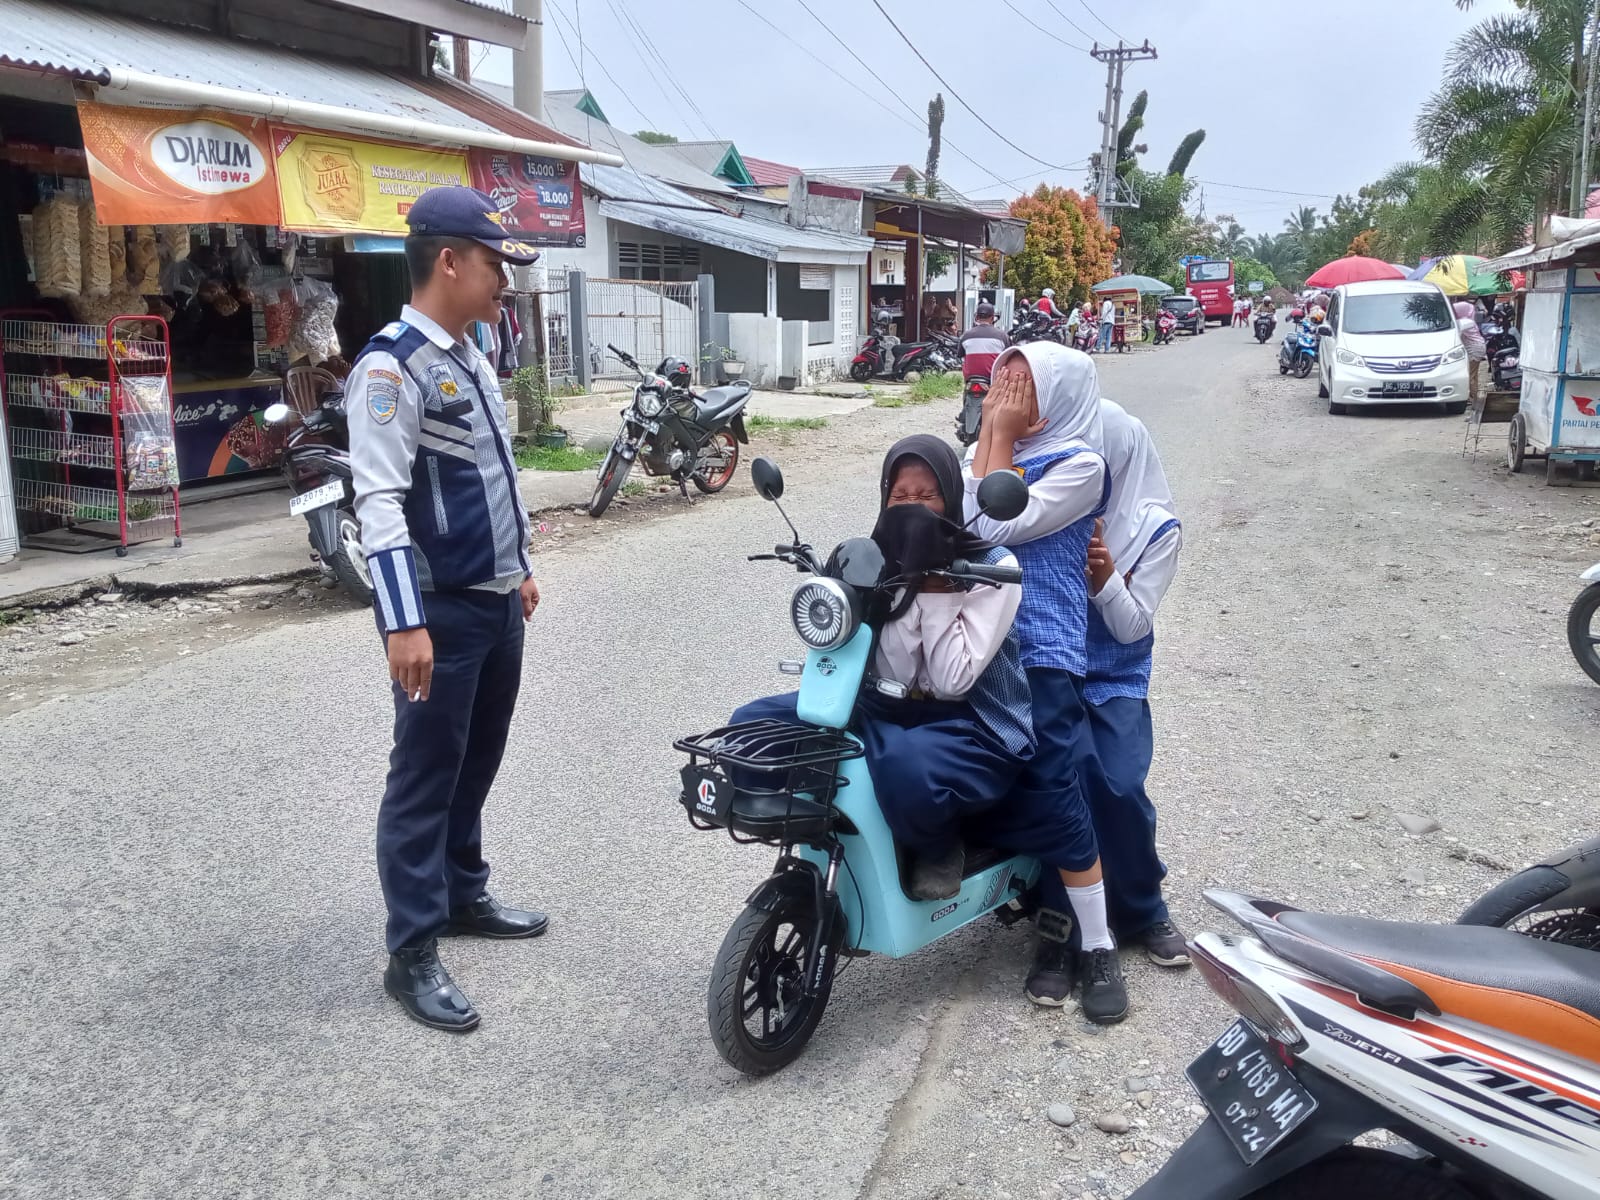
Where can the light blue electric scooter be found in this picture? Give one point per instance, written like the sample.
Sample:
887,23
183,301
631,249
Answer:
839,884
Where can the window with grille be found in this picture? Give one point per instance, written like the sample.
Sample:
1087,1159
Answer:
652,260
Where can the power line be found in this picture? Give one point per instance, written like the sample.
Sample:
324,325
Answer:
878,4
620,8
1245,187
1071,22
567,48
1096,16
1043,30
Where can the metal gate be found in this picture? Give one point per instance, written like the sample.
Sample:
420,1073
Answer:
558,339
649,319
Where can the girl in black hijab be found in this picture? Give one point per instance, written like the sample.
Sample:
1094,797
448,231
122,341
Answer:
953,747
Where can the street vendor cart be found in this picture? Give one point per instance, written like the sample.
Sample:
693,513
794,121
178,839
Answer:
1558,412
1125,292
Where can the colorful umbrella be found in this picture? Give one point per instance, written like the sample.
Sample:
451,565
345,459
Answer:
1143,284
1464,275
1353,268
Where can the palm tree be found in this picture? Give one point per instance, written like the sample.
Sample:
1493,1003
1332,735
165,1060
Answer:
1231,237
1282,254
1507,120
1301,224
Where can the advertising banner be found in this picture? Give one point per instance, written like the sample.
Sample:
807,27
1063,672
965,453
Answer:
157,166
539,199
333,184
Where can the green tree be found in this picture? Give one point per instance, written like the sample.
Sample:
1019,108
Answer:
656,139
1507,118
1282,255
1231,237
1247,270
1406,201
1067,246
930,179
1184,154
1126,149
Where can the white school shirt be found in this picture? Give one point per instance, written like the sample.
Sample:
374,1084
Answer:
1129,607
945,641
1069,491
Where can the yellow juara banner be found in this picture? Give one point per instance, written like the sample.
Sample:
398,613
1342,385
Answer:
333,184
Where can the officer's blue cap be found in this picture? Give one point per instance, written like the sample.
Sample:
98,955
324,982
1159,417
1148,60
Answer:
465,212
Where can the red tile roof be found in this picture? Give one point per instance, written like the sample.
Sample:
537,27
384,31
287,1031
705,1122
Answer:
767,173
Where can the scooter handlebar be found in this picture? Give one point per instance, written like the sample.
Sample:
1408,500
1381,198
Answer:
994,574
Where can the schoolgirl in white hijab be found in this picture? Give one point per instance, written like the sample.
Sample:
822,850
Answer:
1042,420
1132,561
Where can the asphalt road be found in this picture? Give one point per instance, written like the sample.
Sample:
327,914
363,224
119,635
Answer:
1365,624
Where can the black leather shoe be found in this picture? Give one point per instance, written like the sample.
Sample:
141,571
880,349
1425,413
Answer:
485,917
417,979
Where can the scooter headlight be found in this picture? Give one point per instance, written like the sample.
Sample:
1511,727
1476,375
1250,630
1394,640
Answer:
823,614
650,402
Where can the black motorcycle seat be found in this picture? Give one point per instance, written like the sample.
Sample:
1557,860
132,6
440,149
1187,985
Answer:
713,402
1527,986
793,818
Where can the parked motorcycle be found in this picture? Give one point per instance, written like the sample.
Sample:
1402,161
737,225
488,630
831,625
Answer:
316,464
1476,1045
1166,327
1088,335
971,417
1037,326
815,803
671,430
1504,352
884,356
1265,326
1298,353
1582,639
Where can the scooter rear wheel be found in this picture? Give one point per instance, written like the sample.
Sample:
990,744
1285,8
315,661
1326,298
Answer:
760,1016
348,562
718,461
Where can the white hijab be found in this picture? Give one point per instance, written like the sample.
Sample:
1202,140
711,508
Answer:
1141,500
1069,399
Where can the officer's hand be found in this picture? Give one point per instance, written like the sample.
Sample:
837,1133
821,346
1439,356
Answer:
411,662
530,597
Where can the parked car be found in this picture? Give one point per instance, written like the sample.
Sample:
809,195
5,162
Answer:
1190,313
1391,341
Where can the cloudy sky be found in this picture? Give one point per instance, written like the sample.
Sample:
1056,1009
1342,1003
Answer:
1308,98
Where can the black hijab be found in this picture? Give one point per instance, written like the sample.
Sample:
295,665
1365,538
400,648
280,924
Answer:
914,539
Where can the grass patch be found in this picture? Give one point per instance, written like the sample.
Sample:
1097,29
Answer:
935,387
633,488
888,401
566,458
758,421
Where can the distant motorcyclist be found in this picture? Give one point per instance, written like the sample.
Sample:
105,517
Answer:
981,344
1047,303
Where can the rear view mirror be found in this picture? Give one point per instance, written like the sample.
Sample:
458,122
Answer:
1324,330
1002,496
276,414
768,479
858,562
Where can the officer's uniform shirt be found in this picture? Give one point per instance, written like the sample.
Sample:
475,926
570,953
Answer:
435,477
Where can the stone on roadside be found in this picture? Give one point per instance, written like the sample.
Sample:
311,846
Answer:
1128,1158
1361,814
70,639
1137,1083
108,598
1112,1122
258,589
1061,1114
1417,826
1146,1099
263,605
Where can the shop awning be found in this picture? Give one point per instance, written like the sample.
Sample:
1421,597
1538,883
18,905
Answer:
771,240
140,62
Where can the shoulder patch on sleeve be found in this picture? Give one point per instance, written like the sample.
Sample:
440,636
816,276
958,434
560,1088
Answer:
391,331
383,395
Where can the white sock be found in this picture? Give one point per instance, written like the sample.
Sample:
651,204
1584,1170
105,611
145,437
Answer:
1089,906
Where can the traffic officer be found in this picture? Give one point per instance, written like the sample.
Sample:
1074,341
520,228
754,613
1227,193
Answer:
446,539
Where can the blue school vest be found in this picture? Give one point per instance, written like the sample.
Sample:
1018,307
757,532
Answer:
1119,668
1052,624
1000,699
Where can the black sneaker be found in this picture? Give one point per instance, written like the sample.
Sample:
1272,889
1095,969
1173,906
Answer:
1105,996
1164,945
1054,970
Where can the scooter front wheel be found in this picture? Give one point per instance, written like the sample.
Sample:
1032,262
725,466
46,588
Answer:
860,371
761,1018
1302,368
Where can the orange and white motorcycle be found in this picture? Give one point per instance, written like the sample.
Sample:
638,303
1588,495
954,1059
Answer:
1476,1045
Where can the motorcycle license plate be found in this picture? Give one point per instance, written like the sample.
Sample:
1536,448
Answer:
328,493
1253,1096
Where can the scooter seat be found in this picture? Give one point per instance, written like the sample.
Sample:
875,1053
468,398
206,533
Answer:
713,402
1535,989
779,816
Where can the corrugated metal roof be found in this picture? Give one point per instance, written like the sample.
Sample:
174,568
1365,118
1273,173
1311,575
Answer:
770,240
624,183
890,178
487,109
55,38
767,173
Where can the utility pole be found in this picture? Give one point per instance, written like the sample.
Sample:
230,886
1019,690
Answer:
527,64
461,59
1116,59
1580,202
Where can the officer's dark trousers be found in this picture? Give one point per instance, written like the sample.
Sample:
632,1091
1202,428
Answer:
1114,771
446,752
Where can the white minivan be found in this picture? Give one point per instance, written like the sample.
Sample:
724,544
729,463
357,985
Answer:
1391,341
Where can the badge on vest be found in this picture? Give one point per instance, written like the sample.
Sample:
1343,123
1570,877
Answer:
444,380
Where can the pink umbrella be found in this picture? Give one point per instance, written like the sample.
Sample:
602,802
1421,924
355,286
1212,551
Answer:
1353,268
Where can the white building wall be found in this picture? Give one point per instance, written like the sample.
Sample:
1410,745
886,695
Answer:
758,340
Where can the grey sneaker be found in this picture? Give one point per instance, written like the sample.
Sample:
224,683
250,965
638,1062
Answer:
1105,996
938,878
1054,972
1164,945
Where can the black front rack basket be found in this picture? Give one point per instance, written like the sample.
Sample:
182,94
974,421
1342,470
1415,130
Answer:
766,781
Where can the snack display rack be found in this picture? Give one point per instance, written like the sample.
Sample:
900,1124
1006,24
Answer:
93,455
